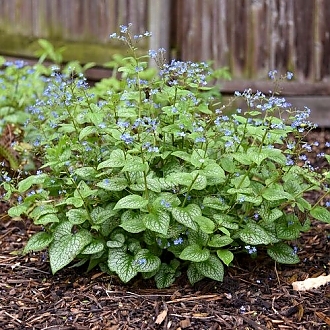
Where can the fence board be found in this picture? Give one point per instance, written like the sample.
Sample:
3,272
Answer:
255,36
251,37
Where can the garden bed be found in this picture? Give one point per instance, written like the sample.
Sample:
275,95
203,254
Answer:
255,294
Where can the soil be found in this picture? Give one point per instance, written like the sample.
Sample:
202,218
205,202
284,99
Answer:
255,294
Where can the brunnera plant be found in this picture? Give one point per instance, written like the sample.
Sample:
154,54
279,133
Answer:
153,178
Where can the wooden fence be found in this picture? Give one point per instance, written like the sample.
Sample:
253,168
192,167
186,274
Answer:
254,36
251,37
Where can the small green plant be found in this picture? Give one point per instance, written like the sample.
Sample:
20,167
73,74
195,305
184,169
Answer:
149,178
8,154
21,85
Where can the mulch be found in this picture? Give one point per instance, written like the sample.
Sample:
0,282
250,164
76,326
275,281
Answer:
255,294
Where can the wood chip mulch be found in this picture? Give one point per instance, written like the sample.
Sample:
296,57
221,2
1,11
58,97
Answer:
255,294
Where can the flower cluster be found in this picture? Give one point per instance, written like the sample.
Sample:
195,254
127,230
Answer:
185,73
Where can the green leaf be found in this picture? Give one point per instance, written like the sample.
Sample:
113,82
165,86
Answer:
66,128
186,215
77,216
257,200
165,276
116,159
184,179
182,155
303,204
228,164
255,155
226,221
270,215
158,221
38,242
224,231
75,201
122,264
276,192
200,182
283,253
40,210
225,256
131,202
153,185
215,203
211,268
135,164
193,274
26,183
113,184
220,240
242,159
196,237
86,131
320,213
17,210
288,227
240,181
275,155
194,253
132,222
254,234
83,190
205,224
94,247
99,214
116,241
214,171
47,218
145,261
86,172
198,158
170,198
66,245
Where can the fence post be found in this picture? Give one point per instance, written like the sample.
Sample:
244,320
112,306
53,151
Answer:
159,24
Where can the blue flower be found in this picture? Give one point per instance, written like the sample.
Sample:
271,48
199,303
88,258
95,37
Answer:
250,249
289,161
201,139
141,262
165,203
37,142
290,145
152,53
178,241
289,75
123,28
272,74
228,144
102,125
127,138
241,199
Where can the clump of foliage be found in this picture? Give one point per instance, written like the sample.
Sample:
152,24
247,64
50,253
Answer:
154,178
21,85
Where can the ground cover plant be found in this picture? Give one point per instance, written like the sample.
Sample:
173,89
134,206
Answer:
148,174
